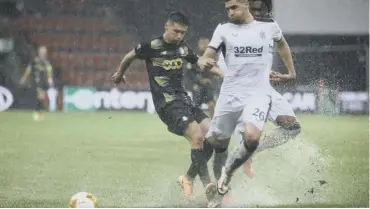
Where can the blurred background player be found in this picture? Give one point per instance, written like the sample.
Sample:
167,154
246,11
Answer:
203,84
42,74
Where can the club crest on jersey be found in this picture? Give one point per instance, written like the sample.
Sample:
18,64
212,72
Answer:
263,35
184,51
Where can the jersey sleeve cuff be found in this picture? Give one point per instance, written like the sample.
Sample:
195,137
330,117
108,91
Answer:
214,48
279,39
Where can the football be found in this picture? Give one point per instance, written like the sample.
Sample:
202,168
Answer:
83,200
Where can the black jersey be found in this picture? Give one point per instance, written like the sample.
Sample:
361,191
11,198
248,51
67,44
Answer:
40,69
164,63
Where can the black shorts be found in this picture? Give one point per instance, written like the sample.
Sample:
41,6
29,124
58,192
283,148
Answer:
204,95
179,114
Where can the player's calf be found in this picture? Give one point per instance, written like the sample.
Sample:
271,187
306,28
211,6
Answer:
219,161
192,171
198,157
240,155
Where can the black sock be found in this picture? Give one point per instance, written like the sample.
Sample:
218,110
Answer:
208,151
192,172
219,161
200,162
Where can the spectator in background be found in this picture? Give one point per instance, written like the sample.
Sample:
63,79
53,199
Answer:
327,101
42,73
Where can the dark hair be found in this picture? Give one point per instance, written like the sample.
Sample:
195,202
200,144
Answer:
179,17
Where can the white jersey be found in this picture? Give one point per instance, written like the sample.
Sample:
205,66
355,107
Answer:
248,52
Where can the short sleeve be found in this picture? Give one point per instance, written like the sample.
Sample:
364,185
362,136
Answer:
216,40
143,50
191,56
277,34
221,62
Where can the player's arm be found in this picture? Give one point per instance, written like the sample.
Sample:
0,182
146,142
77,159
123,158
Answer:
285,55
216,70
139,52
193,58
26,75
208,60
118,76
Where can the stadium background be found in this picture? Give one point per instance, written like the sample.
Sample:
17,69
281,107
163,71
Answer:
87,39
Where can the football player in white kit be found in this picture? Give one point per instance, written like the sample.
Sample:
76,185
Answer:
281,114
246,96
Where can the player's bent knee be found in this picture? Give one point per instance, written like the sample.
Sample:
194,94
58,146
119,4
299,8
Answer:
196,140
251,136
251,145
219,144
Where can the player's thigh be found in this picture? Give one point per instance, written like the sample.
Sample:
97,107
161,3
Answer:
223,124
201,118
194,134
281,111
255,113
177,116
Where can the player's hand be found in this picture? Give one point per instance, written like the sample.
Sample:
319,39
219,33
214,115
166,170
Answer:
206,63
278,77
118,77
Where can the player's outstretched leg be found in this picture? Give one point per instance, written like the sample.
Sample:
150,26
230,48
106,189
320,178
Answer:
186,181
199,159
239,156
289,129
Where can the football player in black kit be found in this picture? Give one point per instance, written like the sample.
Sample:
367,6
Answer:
164,57
41,70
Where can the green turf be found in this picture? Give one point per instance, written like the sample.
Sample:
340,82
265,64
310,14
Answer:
130,160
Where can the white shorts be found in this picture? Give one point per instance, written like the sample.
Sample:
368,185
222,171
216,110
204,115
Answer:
231,112
279,106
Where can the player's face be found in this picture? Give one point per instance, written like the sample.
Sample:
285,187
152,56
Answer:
175,32
43,51
236,9
203,44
